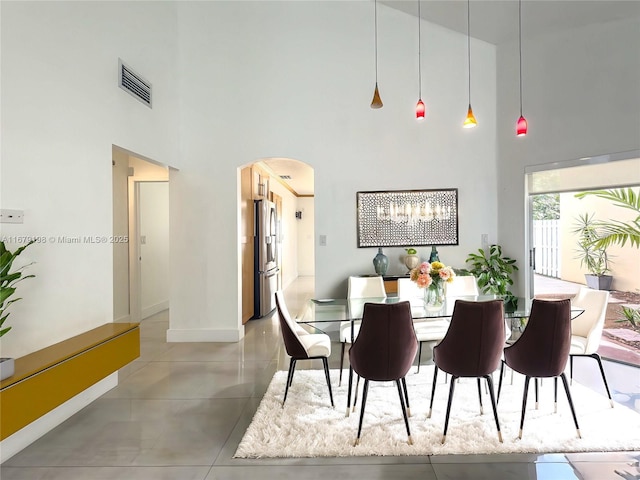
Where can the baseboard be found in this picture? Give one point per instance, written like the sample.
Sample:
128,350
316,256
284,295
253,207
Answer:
153,309
204,335
36,429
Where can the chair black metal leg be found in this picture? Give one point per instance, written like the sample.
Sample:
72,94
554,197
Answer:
480,396
604,379
292,367
433,390
341,362
555,394
571,368
349,390
500,381
494,404
535,384
524,403
365,390
355,394
326,374
406,395
404,411
419,355
573,411
446,418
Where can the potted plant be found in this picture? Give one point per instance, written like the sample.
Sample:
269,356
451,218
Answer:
592,256
8,281
494,272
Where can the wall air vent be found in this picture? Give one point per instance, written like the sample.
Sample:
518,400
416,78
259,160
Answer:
133,83
285,177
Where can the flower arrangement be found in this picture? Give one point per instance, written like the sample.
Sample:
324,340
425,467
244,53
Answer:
435,273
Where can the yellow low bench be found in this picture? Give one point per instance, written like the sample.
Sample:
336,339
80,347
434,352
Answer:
47,378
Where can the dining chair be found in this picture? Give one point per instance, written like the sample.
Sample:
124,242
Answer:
409,290
472,348
384,351
433,330
462,285
358,287
586,329
542,351
302,345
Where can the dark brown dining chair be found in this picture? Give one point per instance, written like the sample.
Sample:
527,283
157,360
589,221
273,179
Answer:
472,347
542,350
384,351
301,345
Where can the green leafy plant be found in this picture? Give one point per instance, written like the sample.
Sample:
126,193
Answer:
493,270
631,315
614,231
592,257
411,251
8,281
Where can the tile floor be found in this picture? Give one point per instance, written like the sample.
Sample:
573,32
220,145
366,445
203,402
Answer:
181,409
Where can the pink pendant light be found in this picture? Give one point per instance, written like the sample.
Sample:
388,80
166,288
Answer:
470,121
420,108
521,125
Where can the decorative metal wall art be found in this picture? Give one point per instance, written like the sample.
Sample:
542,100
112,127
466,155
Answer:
404,218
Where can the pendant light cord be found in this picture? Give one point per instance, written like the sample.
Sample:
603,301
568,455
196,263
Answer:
469,47
520,48
419,54
375,10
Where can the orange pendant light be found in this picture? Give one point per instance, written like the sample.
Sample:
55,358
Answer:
376,102
470,121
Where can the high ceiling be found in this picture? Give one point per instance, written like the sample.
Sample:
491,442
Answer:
496,21
493,21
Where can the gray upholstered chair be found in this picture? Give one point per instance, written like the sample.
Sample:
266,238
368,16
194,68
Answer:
384,351
472,347
358,287
542,351
301,345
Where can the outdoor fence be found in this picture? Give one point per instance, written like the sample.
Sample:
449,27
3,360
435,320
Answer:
546,241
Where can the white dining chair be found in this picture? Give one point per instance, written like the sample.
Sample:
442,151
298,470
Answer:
358,287
586,328
462,285
408,289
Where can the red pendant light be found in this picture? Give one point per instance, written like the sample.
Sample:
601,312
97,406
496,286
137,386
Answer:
521,125
420,108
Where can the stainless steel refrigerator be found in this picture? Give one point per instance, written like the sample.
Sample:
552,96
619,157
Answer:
265,258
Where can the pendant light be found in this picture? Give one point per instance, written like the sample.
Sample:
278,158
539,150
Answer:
470,121
521,125
377,101
420,108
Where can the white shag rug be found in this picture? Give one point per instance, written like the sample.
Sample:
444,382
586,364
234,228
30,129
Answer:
307,426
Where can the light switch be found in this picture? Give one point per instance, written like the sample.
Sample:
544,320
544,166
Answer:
323,240
143,239
11,216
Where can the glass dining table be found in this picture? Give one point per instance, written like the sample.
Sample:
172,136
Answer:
327,315
324,314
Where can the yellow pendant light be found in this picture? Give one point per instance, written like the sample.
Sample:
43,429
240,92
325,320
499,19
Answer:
377,101
470,121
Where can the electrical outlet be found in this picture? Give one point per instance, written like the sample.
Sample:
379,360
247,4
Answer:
11,216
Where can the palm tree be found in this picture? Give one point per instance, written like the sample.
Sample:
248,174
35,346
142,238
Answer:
612,232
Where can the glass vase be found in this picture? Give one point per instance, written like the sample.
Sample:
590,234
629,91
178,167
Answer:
434,296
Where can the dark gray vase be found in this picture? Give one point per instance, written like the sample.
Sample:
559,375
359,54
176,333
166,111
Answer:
380,263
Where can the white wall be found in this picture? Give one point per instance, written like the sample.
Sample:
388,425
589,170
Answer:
295,79
289,260
61,113
154,250
305,230
581,98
